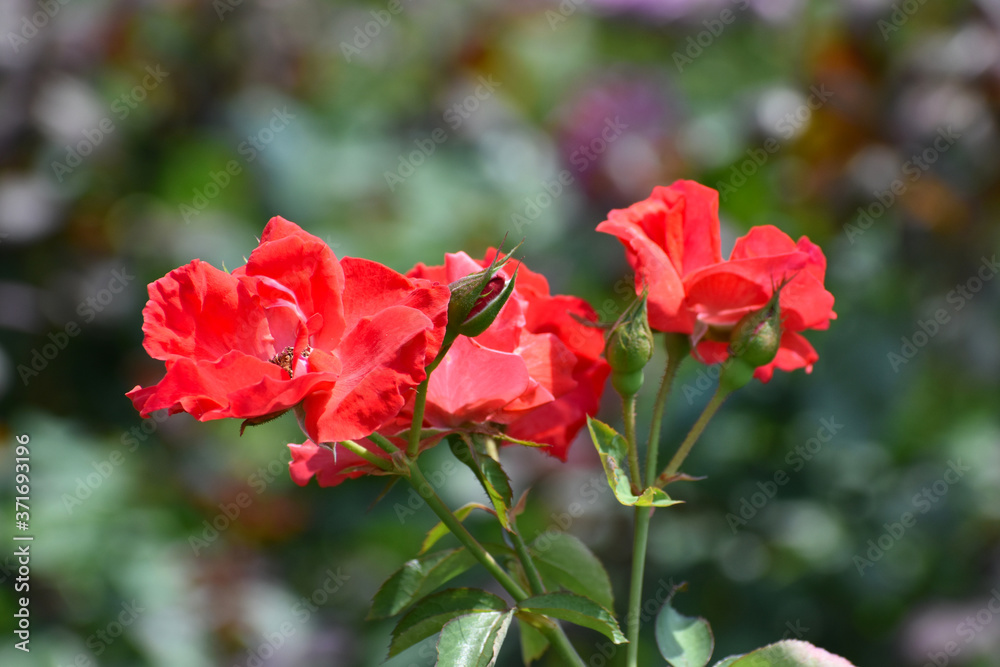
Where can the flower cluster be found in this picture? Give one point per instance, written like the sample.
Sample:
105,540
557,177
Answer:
671,240
349,344
345,342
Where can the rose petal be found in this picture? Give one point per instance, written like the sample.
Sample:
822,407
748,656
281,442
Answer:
200,312
311,460
473,382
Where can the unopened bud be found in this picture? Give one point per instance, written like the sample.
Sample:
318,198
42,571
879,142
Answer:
629,348
754,342
477,298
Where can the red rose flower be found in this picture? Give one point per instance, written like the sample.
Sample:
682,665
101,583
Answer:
536,369
294,327
671,240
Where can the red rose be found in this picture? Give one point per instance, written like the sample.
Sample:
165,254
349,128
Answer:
666,237
294,327
672,242
535,369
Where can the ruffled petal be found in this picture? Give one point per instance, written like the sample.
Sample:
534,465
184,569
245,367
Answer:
203,388
653,270
199,312
383,356
300,283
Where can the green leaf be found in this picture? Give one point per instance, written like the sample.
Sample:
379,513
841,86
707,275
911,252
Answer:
788,653
575,609
563,560
613,450
432,613
440,530
684,641
473,640
489,473
533,643
417,578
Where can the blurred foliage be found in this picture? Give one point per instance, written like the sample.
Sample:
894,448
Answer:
137,135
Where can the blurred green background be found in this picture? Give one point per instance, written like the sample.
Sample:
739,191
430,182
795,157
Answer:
137,135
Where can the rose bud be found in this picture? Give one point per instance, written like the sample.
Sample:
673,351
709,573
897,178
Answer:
629,348
754,342
476,300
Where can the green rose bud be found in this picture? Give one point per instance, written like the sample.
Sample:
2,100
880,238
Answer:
629,348
477,298
754,342
627,384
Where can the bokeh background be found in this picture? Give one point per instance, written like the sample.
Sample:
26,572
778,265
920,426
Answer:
136,135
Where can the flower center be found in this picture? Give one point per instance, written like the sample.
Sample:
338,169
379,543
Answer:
286,359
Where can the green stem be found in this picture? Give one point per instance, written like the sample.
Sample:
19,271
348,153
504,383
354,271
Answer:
528,563
718,398
677,349
375,460
561,642
628,411
555,633
420,404
640,537
384,443
434,501
639,542
413,447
